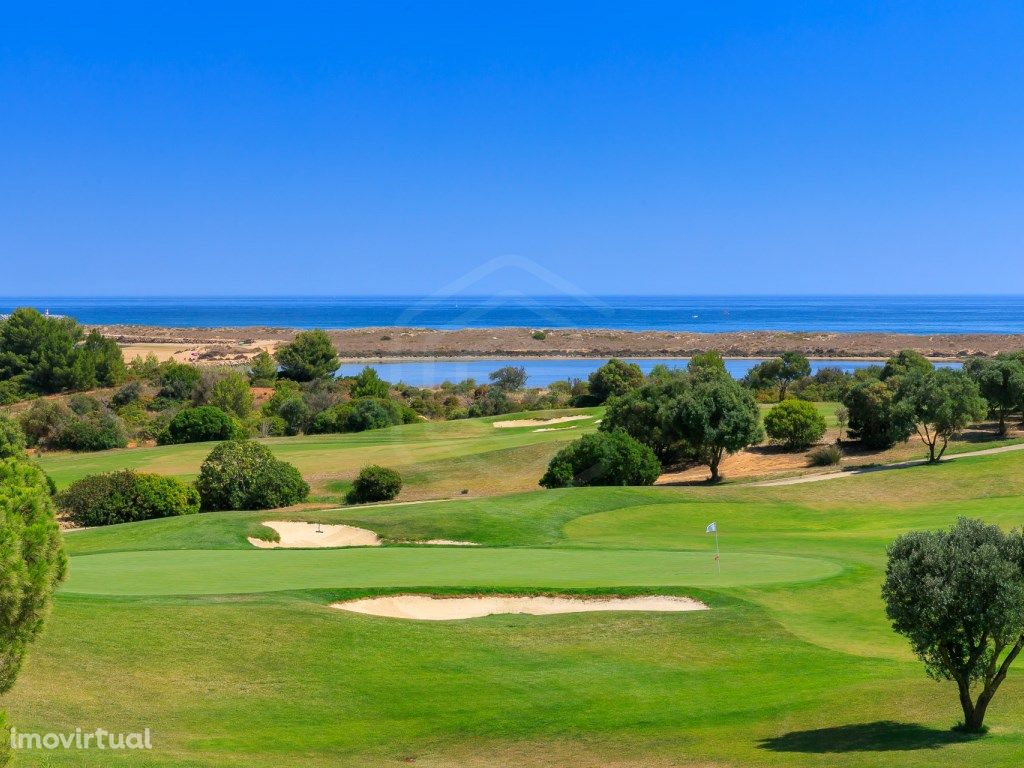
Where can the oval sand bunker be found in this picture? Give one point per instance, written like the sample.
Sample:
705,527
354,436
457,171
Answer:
427,608
538,422
308,535
295,535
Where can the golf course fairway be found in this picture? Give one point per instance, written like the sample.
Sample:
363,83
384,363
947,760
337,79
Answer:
210,572
233,656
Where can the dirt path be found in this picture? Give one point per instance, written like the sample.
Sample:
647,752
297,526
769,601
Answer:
883,468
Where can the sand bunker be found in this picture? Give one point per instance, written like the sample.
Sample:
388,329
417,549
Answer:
312,536
536,422
303,535
555,429
447,543
427,608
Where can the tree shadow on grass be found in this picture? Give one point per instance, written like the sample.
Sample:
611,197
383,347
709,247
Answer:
880,736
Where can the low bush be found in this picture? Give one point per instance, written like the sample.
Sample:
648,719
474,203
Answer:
199,425
825,456
795,424
374,483
83,405
539,335
126,395
43,420
91,432
362,414
241,474
603,458
51,424
126,496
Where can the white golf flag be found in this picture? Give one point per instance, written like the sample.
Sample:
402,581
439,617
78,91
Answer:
712,528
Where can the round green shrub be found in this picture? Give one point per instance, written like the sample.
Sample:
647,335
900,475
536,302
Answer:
199,425
126,395
374,483
603,458
795,424
126,496
12,439
242,474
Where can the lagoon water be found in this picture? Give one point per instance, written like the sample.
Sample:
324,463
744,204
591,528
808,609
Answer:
540,373
901,314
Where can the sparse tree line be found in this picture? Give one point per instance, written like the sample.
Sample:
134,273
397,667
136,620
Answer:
236,475
294,392
700,414
173,402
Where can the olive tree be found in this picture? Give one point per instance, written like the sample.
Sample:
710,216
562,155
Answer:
643,414
958,597
714,417
944,402
779,372
1001,381
905,363
615,377
33,564
879,416
509,378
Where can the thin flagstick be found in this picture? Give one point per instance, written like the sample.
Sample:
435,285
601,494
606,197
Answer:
718,553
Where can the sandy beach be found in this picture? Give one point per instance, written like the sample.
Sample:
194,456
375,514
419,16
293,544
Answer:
236,345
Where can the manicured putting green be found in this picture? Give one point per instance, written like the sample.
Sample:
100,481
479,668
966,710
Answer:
209,572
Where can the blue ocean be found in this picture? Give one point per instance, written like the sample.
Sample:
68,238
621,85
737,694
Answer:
900,314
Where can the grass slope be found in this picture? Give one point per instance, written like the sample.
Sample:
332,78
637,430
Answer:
435,458
800,671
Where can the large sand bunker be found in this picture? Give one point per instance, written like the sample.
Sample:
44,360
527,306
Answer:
294,535
537,422
303,535
427,608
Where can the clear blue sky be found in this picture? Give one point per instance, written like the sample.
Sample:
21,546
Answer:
383,148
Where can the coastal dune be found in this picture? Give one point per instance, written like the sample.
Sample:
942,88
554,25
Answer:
225,345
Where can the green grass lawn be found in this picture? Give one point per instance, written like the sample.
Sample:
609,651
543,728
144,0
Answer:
439,458
233,656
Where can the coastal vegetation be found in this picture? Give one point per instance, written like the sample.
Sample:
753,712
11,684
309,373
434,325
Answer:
41,355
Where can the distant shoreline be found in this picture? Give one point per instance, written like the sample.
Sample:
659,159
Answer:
235,345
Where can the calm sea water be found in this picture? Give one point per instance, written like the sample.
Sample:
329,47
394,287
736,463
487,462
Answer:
906,314
540,373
